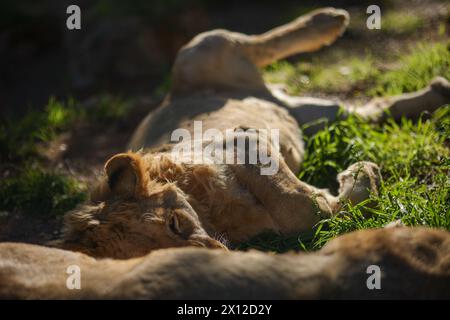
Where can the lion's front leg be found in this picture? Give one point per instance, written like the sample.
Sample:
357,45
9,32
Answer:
260,168
296,206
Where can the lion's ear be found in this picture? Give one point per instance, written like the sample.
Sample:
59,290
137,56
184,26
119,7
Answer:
126,175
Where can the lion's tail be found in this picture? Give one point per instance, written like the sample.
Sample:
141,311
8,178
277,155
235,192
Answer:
305,34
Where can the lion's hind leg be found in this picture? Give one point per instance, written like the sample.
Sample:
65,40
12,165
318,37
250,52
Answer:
409,105
225,60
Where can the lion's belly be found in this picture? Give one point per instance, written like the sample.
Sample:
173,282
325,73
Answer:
221,114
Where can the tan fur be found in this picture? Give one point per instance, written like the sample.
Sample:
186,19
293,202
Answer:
414,263
216,80
215,202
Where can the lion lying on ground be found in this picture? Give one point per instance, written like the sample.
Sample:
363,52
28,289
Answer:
150,200
413,263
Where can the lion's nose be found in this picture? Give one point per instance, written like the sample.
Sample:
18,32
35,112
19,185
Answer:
214,244
207,243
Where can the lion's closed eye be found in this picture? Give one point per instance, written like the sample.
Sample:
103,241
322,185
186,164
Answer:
180,225
174,225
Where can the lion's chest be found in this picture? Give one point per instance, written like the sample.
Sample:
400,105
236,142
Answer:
227,208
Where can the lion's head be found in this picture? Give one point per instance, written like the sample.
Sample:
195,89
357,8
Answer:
132,214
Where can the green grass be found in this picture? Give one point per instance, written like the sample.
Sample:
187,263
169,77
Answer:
415,70
400,23
40,192
28,186
415,161
405,148
364,75
19,138
349,74
106,109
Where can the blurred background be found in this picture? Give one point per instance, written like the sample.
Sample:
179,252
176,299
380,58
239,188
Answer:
127,47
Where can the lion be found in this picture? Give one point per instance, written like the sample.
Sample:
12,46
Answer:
150,199
413,263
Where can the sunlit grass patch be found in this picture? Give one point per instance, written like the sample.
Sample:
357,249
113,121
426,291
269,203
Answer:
414,161
348,74
400,23
405,148
19,138
405,198
415,70
36,191
364,75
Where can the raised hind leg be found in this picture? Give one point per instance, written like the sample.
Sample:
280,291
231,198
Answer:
410,105
229,61
308,110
